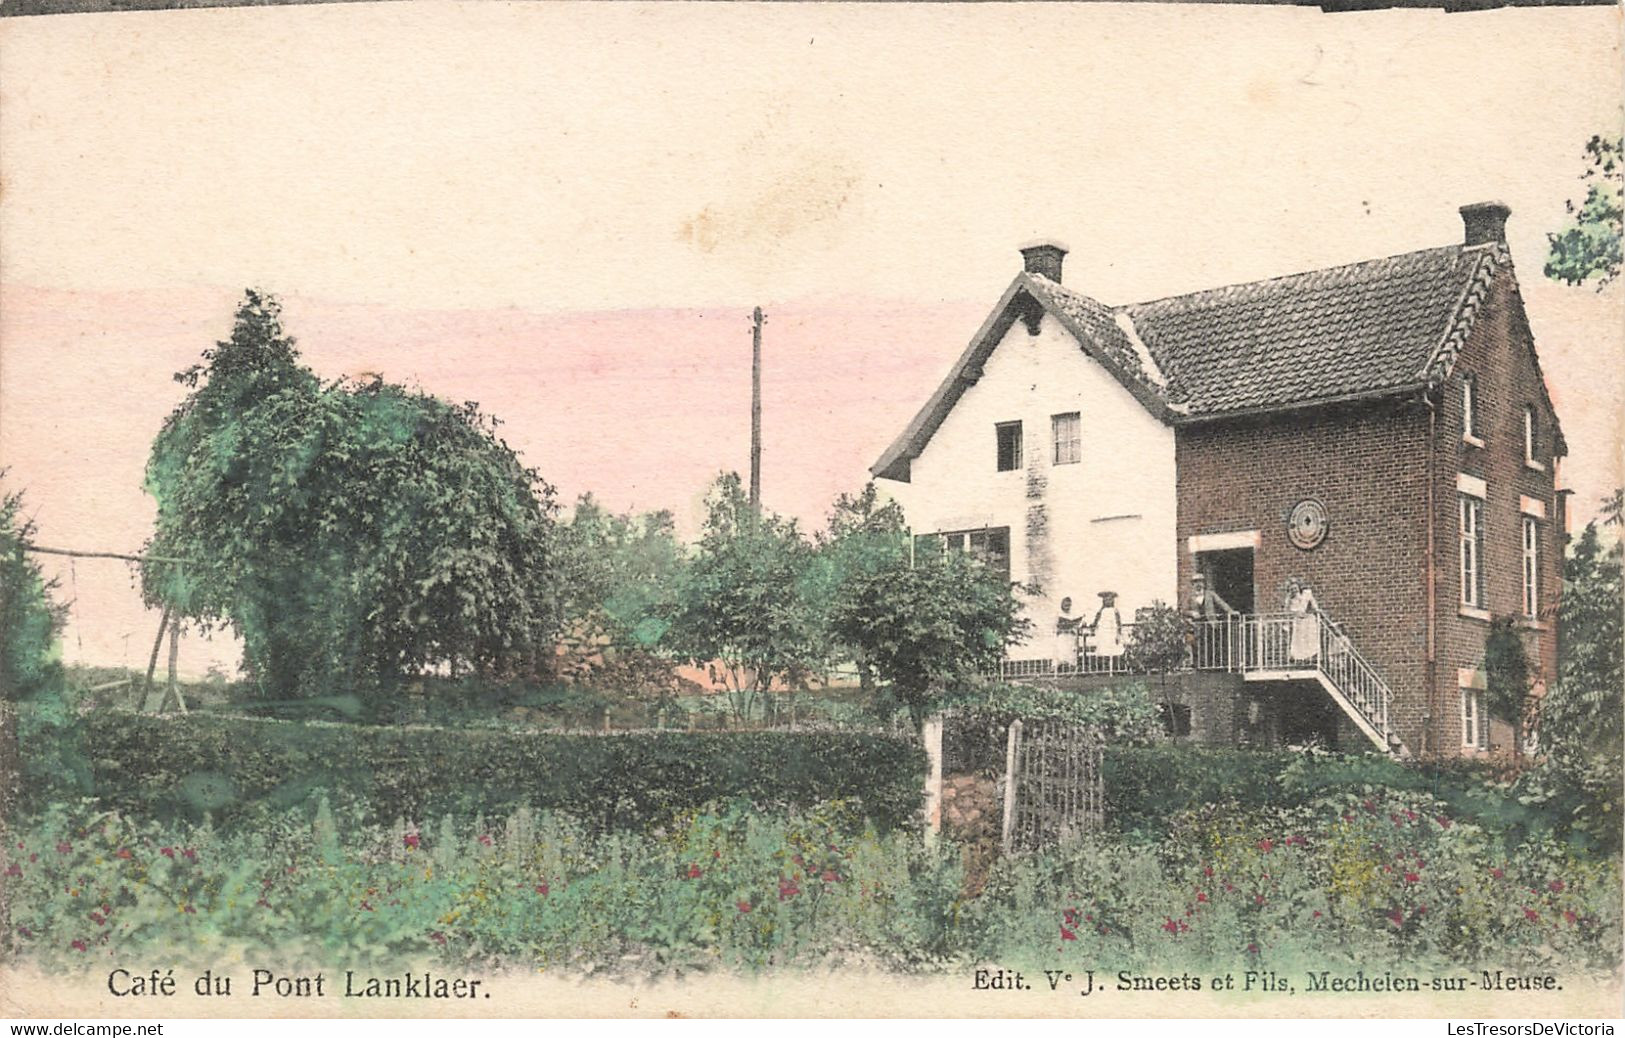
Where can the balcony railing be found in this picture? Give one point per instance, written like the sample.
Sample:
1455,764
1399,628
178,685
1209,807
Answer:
1262,645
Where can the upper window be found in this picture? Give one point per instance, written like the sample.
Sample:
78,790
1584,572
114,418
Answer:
1009,438
1469,408
1531,567
1531,441
1067,431
1472,550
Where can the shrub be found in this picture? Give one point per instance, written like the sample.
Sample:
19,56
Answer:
232,768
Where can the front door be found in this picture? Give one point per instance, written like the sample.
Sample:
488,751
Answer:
1230,574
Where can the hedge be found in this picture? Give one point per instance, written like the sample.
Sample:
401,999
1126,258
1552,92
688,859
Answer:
1146,786
231,767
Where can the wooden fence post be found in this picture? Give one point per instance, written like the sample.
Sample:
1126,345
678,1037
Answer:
931,735
1012,750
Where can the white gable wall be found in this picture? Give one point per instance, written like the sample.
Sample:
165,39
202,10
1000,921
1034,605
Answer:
1105,523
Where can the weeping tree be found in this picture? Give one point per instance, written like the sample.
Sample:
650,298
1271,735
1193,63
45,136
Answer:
351,533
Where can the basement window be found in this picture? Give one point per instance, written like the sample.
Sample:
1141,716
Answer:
1008,435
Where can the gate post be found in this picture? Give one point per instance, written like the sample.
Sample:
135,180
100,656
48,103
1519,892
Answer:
1012,749
931,735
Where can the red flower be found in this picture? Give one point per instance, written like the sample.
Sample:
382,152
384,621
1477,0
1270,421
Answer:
96,917
190,910
437,937
1530,914
1208,871
1369,806
1411,877
1266,845
1555,886
829,876
485,839
1396,917
124,852
1570,918
542,888
365,905
1200,897
1258,899
63,848
744,906
1497,873
1175,926
787,889
1068,935
1252,949
33,857
411,840
168,852
1444,823
190,855
1316,914
78,946
694,872
14,869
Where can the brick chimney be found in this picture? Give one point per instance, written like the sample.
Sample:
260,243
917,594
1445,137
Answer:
1044,257
1485,222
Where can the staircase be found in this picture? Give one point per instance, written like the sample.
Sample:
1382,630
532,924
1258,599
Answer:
1294,647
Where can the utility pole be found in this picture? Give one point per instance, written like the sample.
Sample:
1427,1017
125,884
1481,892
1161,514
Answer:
756,410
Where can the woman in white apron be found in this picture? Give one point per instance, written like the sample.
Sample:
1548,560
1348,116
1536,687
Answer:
1300,602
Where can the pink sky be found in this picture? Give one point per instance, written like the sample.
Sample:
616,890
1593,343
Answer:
566,212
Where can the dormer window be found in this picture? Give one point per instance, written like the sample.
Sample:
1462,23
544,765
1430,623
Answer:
1531,441
1469,411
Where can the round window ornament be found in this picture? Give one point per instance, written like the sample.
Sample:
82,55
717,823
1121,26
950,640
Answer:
1307,524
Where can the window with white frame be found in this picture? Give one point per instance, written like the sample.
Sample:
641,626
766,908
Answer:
1472,550
1469,408
1475,723
1530,442
1531,567
1067,433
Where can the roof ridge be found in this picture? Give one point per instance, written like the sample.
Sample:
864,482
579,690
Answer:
1203,296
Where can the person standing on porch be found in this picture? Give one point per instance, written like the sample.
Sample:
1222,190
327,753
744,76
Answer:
1108,629
1066,636
1300,602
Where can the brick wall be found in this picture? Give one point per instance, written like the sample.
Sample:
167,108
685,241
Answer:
1367,465
1498,359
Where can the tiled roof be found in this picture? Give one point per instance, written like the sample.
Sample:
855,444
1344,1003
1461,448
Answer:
1384,325
1324,335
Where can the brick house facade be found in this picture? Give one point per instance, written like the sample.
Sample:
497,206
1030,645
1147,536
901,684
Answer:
1395,408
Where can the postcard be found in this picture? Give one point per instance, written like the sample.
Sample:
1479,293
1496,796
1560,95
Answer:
1099,510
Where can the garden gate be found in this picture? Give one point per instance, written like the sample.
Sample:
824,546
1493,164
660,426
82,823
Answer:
1038,781
1053,787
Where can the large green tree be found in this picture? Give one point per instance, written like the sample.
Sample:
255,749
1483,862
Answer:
746,609
1587,249
925,618
352,533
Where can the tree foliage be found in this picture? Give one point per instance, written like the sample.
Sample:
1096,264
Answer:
925,620
1588,248
619,578
29,620
1508,677
1582,713
351,533
745,608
